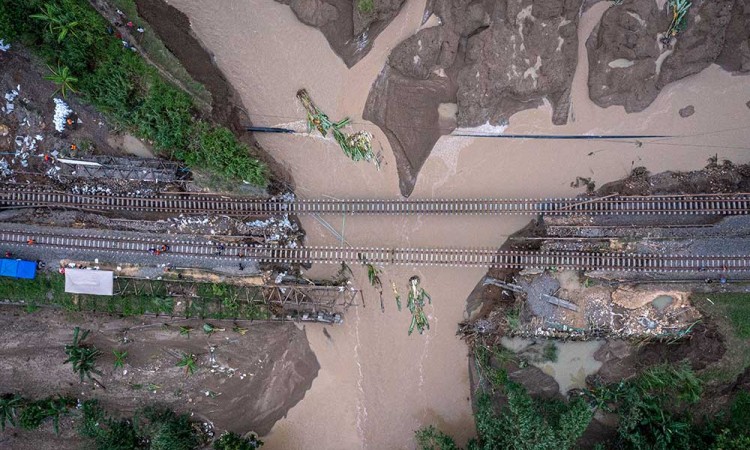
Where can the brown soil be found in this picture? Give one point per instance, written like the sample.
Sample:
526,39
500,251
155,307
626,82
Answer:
349,31
173,28
254,381
18,68
628,33
458,62
703,346
717,177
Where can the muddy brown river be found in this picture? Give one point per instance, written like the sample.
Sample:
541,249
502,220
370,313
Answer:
376,384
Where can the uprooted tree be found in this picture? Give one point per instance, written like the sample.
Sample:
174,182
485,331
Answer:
357,146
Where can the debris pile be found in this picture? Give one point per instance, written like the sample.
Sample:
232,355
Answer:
62,111
280,231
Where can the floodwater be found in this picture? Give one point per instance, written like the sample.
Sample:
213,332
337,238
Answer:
376,384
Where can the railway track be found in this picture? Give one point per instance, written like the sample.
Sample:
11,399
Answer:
447,257
201,204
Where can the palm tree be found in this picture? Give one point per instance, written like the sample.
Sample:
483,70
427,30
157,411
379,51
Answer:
57,23
63,79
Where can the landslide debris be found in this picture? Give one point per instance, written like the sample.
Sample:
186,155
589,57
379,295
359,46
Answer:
350,26
630,61
489,59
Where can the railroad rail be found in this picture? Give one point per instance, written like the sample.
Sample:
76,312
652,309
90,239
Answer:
449,257
199,204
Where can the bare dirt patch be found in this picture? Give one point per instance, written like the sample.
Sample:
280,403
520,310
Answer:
247,382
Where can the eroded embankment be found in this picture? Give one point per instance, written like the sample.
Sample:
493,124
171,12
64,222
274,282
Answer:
173,28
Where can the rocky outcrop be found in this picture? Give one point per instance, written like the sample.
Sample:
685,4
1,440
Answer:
629,62
491,59
350,26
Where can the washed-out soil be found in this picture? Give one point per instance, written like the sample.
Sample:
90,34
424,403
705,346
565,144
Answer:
717,177
701,348
251,382
490,60
350,29
173,28
35,109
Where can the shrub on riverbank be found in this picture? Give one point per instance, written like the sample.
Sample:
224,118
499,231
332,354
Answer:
116,80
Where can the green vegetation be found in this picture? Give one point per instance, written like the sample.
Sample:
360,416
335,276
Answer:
9,405
121,84
550,352
119,358
63,79
33,413
188,361
357,146
160,56
210,329
233,441
153,428
679,9
161,429
365,6
648,407
82,356
730,312
30,414
513,318
138,297
653,409
57,21
430,438
415,303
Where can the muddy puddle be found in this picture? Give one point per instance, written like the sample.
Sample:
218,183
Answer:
377,385
572,362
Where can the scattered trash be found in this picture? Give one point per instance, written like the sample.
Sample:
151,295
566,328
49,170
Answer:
10,97
62,111
3,46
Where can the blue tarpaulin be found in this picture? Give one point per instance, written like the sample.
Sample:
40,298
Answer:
18,268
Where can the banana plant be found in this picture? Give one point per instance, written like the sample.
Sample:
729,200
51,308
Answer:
57,21
64,80
357,146
415,303
82,356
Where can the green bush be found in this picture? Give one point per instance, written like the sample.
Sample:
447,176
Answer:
649,408
216,149
233,441
165,116
527,423
430,438
32,414
365,6
168,431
